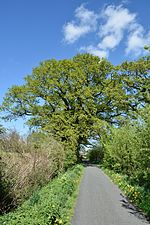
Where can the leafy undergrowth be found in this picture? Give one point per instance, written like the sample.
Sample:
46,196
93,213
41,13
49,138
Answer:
139,196
53,204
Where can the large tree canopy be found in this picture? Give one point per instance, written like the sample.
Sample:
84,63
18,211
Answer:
73,98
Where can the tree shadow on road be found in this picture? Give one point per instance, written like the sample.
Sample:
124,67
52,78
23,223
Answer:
133,210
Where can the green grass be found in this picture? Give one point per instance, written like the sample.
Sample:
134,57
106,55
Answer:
139,196
53,204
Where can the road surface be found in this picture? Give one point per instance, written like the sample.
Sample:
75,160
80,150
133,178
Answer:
100,202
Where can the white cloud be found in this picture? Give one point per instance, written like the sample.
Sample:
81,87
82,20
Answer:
73,32
117,20
86,22
110,41
95,51
111,32
112,25
137,39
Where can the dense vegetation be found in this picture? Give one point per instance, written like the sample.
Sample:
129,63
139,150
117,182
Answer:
51,205
127,149
68,103
73,99
26,165
127,152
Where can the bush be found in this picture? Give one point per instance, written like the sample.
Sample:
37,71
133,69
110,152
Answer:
121,149
127,152
127,149
51,205
26,166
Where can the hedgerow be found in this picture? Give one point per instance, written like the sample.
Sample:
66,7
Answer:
51,205
127,152
136,194
127,149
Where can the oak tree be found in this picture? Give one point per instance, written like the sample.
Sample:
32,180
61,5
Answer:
73,99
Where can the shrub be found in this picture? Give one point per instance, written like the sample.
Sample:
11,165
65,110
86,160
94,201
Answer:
51,205
127,149
25,167
121,149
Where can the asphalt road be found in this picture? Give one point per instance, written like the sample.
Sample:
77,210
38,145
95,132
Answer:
100,202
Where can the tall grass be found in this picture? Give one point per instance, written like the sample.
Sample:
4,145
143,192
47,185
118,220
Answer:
26,165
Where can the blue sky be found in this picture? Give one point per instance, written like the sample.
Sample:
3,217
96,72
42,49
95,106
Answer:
35,30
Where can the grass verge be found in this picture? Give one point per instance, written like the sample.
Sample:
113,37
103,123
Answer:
53,204
136,194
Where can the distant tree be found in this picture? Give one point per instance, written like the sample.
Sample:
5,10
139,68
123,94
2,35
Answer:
96,154
73,99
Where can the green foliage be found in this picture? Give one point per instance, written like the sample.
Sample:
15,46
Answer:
127,152
27,165
127,149
136,194
96,154
136,78
120,149
73,99
51,205
2,129
147,48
